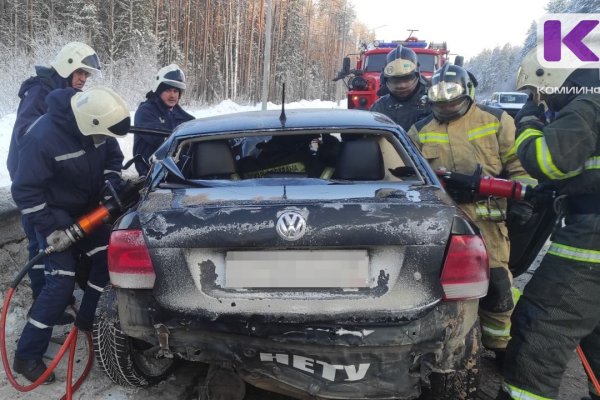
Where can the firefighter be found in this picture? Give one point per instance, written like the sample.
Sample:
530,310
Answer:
406,102
60,176
160,110
560,306
459,136
71,67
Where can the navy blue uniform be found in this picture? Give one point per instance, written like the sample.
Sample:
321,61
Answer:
33,94
59,177
405,112
154,114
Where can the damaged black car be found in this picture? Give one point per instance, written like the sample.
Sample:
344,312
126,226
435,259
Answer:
312,253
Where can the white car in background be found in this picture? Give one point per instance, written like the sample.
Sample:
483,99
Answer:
511,102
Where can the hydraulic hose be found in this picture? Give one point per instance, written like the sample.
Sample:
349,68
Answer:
69,344
588,369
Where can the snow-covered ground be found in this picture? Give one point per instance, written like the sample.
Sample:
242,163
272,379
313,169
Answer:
225,107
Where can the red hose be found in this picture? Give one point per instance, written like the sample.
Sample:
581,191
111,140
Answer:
588,369
70,342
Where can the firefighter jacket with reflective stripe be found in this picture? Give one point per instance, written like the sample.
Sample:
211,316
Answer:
405,112
33,94
567,152
59,168
484,136
154,114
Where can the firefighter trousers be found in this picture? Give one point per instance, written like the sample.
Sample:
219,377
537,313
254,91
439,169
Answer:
496,307
58,288
36,273
559,309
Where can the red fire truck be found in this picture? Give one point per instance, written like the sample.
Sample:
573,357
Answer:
363,81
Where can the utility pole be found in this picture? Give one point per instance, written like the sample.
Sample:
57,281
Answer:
267,57
337,91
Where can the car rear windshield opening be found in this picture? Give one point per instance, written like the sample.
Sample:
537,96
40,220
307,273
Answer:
347,156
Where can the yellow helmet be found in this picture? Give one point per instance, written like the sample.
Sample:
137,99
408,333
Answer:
101,111
74,56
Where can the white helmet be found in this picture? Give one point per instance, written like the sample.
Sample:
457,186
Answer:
101,111
74,56
171,75
531,74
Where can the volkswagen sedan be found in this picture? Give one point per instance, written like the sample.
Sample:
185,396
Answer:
311,253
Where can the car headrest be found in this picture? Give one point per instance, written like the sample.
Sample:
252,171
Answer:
212,160
359,160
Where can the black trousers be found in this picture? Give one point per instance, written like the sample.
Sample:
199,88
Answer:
559,309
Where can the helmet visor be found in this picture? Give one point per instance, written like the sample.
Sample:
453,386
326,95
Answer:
175,75
91,61
445,91
121,128
449,111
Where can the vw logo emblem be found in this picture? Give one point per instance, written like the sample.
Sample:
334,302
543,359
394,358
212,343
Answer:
291,225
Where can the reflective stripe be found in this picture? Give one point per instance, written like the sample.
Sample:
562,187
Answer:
526,134
98,288
70,155
496,331
38,266
38,324
33,209
484,130
510,156
483,210
592,163
110,171
525,179
99,144
516,294
327,173
60,272
281,169
546,163
520,394
433,137
96,250
574,253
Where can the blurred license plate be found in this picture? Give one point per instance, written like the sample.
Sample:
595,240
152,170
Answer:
297,269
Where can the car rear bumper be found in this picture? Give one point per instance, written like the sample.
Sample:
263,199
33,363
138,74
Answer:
326,360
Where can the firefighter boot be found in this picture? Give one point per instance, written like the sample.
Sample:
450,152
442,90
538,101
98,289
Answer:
32,369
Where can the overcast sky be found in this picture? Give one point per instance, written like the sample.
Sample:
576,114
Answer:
468,26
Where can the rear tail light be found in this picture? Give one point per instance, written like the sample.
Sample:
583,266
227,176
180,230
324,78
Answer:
466,272
129,263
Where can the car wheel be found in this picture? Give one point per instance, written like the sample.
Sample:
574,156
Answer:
124,359
461,384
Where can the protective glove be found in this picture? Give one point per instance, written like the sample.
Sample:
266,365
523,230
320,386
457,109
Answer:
541,195
83,324
59,240
461,187
532,115
117,183
520,214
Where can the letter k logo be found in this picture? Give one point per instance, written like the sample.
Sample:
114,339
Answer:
573,40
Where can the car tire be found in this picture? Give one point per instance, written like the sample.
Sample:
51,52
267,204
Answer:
120,356
461,384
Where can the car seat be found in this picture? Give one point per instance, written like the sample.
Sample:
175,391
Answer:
359,160
213,160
